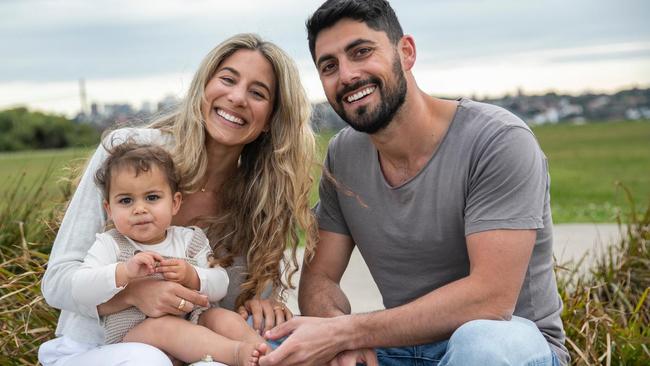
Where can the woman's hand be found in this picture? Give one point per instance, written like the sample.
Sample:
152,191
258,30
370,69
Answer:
267,311
156,298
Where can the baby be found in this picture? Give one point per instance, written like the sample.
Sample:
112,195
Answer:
141,195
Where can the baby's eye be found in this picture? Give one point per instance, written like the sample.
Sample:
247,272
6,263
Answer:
153,197
125,201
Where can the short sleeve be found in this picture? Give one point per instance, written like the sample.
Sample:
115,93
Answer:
327,210
508,183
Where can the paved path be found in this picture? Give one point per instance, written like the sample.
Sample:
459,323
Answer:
571,242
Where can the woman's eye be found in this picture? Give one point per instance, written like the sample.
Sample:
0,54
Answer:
258,95
228,80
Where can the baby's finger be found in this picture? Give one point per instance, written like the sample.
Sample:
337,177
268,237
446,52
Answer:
165,269
169,262
157,257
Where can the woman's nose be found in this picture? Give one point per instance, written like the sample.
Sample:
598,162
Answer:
237,96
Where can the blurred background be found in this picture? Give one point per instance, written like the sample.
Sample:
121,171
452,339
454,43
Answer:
578,72
120,56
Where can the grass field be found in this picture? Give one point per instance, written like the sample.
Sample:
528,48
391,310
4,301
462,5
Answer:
28,168
585,162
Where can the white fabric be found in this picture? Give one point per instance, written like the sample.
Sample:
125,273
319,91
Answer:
64,351
94,282
84,218
78,329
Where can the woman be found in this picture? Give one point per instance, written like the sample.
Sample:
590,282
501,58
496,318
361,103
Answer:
243,146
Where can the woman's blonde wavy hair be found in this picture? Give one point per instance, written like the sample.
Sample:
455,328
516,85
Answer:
265,205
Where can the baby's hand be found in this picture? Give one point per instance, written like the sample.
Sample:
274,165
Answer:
180,271
142,264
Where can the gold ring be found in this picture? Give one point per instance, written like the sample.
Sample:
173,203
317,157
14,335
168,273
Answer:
279,307
181,305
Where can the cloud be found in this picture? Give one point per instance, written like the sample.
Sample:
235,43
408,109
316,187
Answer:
57,42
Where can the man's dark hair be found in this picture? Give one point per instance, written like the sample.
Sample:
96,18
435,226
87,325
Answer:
139,157
376,14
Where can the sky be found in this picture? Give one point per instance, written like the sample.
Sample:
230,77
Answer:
141,51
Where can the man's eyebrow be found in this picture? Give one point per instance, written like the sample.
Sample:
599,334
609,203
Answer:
356,43
256,82
347,48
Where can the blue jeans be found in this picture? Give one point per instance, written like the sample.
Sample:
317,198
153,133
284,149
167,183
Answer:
478,342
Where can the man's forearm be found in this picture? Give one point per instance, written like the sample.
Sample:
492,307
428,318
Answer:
322,297
430,318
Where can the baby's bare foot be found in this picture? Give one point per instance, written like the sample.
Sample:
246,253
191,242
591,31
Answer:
249,353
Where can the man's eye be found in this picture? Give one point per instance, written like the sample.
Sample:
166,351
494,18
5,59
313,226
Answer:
125,201
327,68
363,51
153,197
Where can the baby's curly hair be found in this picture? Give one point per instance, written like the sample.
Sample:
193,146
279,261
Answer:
139,157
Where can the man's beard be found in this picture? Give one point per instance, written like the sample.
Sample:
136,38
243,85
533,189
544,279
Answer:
368,120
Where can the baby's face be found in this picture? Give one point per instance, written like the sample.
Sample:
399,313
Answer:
142,206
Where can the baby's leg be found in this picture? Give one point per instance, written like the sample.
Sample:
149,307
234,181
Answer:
229,324
189,342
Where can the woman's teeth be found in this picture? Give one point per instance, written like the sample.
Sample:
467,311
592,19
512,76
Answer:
230,117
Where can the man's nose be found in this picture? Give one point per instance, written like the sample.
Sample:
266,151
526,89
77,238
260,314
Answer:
348,73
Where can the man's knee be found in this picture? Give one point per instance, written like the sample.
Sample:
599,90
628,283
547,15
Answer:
492,342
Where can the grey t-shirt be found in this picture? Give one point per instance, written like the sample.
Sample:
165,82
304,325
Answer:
487,173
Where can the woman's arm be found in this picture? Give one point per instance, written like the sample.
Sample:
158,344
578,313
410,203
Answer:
154,298
83,219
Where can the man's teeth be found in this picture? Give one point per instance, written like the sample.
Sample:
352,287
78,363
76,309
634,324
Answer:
356,96
230,117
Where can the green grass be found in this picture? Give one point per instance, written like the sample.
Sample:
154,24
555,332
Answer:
586,161
29,167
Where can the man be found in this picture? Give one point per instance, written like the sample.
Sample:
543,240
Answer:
448,203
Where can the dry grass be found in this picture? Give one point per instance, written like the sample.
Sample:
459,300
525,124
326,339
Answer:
606,314
28,220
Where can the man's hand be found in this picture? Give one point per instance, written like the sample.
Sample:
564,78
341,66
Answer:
312,341
178,270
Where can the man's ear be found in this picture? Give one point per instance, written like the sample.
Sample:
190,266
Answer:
176,202
407,51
